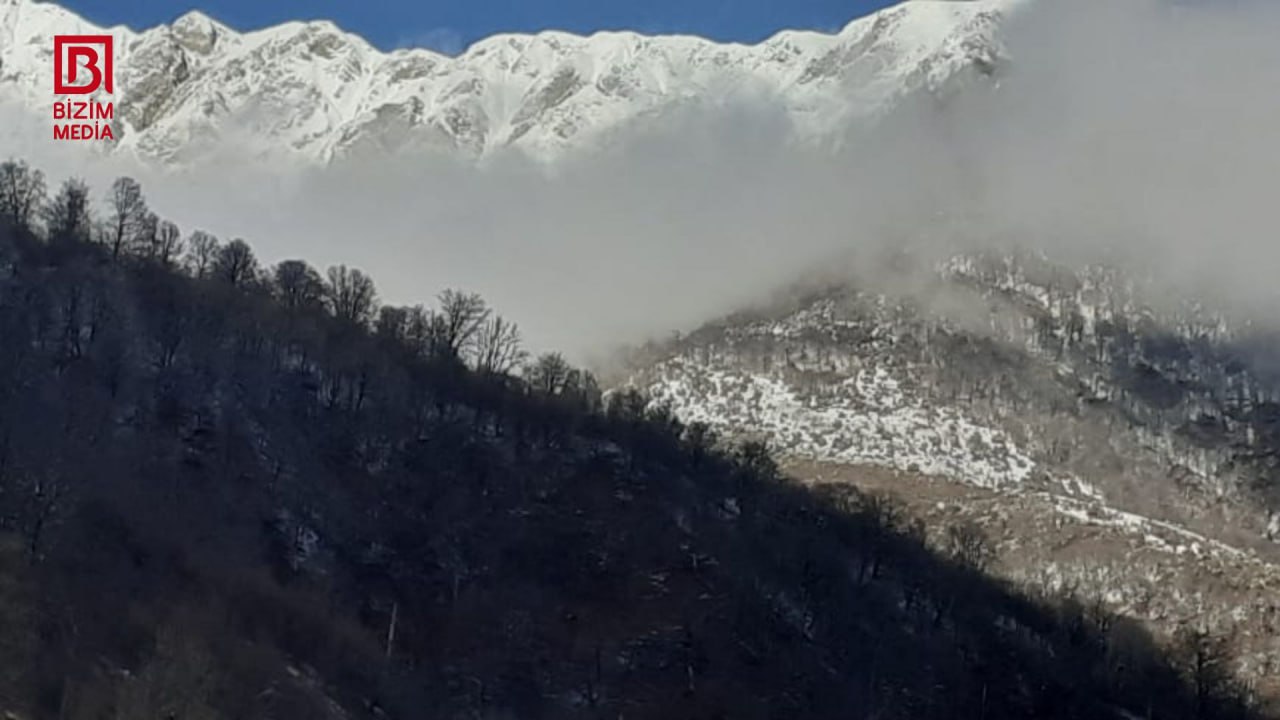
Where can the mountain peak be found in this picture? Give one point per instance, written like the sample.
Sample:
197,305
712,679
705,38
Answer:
198,32
194,16
544,95
196,20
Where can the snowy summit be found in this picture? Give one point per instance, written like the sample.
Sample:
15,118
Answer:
315,92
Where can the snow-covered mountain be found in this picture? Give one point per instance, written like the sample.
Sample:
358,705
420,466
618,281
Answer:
311,90
1108,439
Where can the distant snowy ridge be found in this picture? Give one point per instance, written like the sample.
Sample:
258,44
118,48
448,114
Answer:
314,92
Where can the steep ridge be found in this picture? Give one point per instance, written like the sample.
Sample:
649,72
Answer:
1055,404
312,92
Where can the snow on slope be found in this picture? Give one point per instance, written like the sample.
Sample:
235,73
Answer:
312,90
1104,442
837,392
876,422
1005,373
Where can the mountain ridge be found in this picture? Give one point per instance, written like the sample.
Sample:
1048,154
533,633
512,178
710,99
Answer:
315,92
1058,408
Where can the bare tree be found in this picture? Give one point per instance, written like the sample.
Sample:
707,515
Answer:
584,386
419,330
168,244
202,253
22,193
460,318
701,440
128,212
352,296
884,510
67,217
627,404
659,415
393,323
886,515
236,263
549,374
970,546
498,346
298,285
145,237
754,457
1205,661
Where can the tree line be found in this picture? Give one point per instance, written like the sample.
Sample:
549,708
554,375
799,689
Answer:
462,327
236,492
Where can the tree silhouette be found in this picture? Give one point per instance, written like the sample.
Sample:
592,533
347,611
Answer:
128,213
22,193
67,216
351,294
236,264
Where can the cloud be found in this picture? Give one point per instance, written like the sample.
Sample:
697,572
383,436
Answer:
1145,130
1141,132
444,40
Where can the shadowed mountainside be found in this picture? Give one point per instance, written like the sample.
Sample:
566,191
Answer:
231,492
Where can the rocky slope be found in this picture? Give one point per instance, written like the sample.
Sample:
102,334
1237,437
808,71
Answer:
311,92
1110,440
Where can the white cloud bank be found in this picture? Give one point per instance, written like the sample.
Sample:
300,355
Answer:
1140,128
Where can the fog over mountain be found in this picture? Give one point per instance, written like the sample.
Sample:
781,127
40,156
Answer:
1140,130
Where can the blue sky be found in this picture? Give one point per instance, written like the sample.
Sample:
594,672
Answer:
451,25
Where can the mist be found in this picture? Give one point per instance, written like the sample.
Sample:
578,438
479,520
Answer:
1141,132
1145,131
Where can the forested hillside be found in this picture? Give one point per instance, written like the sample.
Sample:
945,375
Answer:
233,491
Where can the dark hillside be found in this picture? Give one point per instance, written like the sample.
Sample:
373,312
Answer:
229,492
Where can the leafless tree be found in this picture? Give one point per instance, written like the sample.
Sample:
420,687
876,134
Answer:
754,457
549,374
883,510
701,439
419,329
128,212
168,244
202,253
352,296
298,285
1206,664
67,217
460,318
236,263
145,235
498,346
969,545
392,323
884,516
22,193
